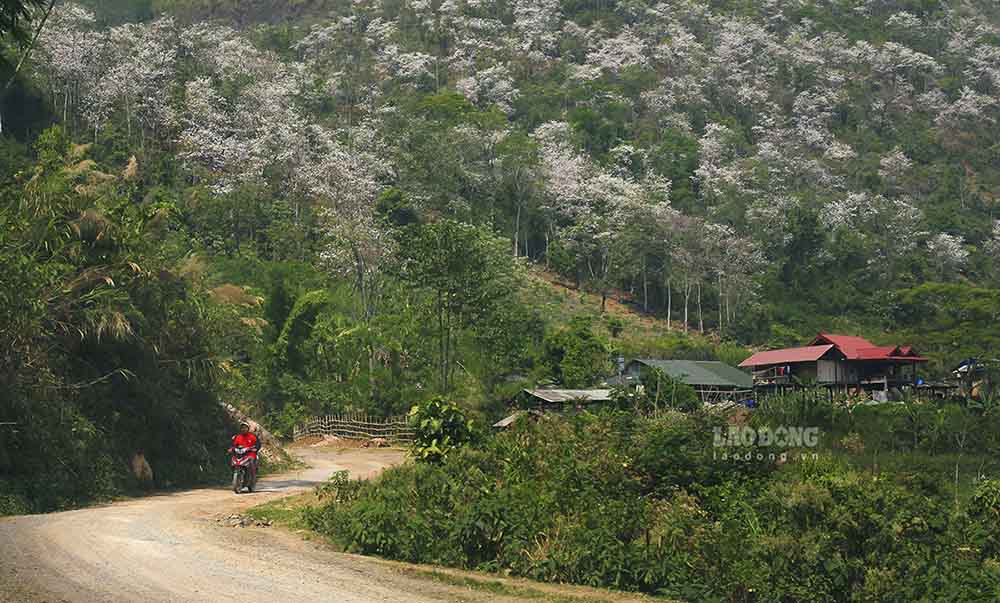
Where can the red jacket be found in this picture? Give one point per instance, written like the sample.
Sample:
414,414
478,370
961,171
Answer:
246,440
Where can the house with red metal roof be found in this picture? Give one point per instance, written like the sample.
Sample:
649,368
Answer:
836,360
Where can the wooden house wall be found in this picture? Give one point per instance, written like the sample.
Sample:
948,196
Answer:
836,371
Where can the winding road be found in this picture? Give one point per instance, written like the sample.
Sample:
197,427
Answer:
170,547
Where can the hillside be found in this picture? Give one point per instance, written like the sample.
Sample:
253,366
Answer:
310,206
798,166
629,330
307,207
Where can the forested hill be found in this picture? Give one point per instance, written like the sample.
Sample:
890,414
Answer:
804,164
313,205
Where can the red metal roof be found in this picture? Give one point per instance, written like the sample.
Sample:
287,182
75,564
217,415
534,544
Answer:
853,348
789,355
859,348
874,353
847,344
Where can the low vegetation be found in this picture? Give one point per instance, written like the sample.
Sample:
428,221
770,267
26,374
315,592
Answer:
652,505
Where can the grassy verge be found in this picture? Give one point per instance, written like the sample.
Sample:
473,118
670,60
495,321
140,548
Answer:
288,512
514,589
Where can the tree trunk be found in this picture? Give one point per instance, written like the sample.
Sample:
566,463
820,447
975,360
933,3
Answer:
687,298
546,248
233,216
441,344
670,305
517,228
448,351
645,286
729,310
701,318
720,302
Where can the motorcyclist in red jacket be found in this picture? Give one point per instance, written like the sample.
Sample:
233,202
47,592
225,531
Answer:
246,439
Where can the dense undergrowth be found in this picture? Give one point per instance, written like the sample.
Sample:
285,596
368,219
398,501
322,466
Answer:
650,504
107,351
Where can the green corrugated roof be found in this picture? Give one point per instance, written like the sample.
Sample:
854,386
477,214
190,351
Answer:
702,372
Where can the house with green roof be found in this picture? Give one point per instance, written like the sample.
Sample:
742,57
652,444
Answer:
714,381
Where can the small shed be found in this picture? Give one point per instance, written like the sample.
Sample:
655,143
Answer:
540,401
509,420
544,397
713,380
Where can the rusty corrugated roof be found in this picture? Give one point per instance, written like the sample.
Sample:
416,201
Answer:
570,395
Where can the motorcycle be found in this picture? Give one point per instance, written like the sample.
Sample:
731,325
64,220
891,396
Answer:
244,473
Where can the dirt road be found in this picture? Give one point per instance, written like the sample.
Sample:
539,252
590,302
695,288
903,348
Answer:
170,547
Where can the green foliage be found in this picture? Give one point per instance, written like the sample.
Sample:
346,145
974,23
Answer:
647,505
17,18
393,207
282,422
441,427
659,391
12,504
575,356
913,426
956,319
106,347
339,488
467,273
984,511
121,11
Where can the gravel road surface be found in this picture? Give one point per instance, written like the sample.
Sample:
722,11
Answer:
172,547
169,547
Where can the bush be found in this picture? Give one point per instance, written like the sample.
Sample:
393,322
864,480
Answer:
575,356
440,427
12,503
660,391
642,504
984,511
123,363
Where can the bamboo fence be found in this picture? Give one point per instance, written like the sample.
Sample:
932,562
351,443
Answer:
357,426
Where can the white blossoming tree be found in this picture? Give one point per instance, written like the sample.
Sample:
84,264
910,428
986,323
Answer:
947,254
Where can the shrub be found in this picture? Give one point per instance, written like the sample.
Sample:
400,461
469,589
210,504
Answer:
659,390
575,356
641,504
440,426
12,503
984,510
